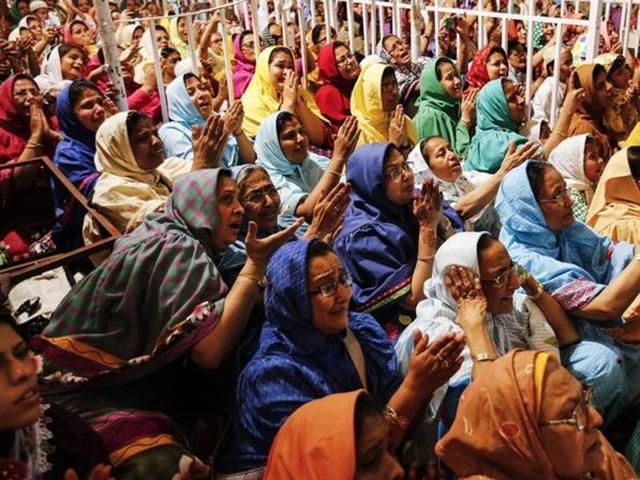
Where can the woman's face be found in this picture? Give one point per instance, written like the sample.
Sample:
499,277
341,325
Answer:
23,8
498,279
442,160
281,63
247,45
390,91
566,65
515,99
330,313
522,33
230,214
200,96
398,50
72,64
35,26
518,59
89,109
25,92
497,66
374,460
261,200
346,63
19,398
593,161
162,39
450,80
548,31
147,148
216,43
621,77
182,29
398,178
169,66
84,6
572,452
554,201
80,34
602,91
294,141
137,35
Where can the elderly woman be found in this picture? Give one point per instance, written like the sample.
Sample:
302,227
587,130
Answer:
39,440
579,160
275,86
300,176
615,209
190,105
589,276
388,240
441,110
152,311
312,346
307,446
528,391
375,103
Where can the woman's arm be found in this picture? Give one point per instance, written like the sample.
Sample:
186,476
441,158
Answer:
572,102
292,102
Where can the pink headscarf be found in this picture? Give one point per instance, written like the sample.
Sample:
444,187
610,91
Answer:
244,68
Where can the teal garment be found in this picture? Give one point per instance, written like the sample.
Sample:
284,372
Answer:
495,130
439,114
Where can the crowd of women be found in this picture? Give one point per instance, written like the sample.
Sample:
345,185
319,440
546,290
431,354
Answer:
380,268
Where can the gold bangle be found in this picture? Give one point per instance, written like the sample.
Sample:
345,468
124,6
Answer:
427,258
31,144
563,135
538,292
261,282
395,419
333,172
484,357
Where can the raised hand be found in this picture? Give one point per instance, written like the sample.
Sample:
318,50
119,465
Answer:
468,108
347,139
259,250
233,118
466,290
396,127
515,157
427,205
208,143
290,91
328,213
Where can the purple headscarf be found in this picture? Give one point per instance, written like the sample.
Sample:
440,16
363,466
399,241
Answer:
244,68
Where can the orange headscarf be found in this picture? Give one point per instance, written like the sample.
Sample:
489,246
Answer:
496,431
311,446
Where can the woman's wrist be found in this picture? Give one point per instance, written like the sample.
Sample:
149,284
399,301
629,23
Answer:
251,267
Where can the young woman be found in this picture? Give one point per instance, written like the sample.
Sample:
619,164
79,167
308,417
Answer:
244,67
489,63
64,64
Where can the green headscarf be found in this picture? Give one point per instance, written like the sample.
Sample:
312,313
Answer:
495,130
438,113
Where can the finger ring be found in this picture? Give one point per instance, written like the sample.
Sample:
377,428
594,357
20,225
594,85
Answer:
337,209
445,364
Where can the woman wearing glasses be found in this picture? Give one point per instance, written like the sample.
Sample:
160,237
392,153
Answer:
588,275
312,345
244,51
542,426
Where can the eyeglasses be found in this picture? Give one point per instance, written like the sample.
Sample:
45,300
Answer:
397,170
561,197
261,194
501,280
330,287
579,416
249,45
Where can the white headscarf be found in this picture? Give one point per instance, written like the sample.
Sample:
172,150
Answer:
568,159
50,77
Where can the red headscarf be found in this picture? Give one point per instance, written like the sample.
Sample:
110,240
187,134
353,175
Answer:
478,76
14,129
333,96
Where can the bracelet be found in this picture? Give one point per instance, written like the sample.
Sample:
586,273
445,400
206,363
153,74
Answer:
563,135
333,172
394,419
261,282
484,357
538,292
427,258
31,144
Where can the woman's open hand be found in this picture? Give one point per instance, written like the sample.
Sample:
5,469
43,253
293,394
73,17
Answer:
427,205
259,250
466,290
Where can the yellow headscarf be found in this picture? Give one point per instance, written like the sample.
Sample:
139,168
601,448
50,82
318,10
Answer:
366,106
634,137
261,100
177,41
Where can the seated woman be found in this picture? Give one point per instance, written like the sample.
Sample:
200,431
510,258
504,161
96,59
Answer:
190,105
80,111
589,117
589,276
135,176
528,391
543,99
77,33
375,103
623,110
307,446
578,159
441,110
312,346
489,63
338,71
244,67
434,159
300,176
615,209
64,64
275,86
152,313
39,440
388,239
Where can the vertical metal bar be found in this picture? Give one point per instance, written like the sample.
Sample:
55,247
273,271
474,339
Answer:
480,25
556,75
254,22
415,35
593,35
227,57
373,26
111,52
395,19
436,27
529,54
350,26
626,16
159,80
314,20
365,28
607,10
303,46
327,19
381,21
192,43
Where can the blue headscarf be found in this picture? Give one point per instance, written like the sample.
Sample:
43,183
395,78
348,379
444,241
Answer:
495,130
74,157
554,258
181,108
296,363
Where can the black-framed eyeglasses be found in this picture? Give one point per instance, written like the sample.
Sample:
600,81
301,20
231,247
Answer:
500,280
397,170
330,286
580,414
260,195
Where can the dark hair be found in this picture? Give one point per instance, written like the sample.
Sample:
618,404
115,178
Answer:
78,87
633,157
619,62
317,30
593,141
7,318
166,52
597,69
77,20
280,49
134,119
439,63
65,48
512,45
160,27
366,407
318,248
535,174
485,241
283,118
497,49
